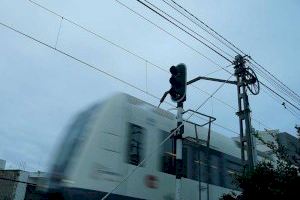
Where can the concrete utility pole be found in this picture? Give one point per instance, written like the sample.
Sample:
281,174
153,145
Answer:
246,137
246,80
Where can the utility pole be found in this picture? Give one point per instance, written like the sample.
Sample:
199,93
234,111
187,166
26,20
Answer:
246,136
246,80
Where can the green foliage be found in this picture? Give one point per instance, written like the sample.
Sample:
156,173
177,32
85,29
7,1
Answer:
267,181
276,181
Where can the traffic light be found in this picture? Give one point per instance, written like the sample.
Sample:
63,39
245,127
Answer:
178,83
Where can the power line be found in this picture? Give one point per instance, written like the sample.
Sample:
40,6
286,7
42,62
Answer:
274,83
228,129
184,31
281,103
96,34
111,42
167,32
275,78
207,26
279,95
189,29
197,24
78,60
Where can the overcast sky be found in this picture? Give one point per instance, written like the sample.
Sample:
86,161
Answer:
41,89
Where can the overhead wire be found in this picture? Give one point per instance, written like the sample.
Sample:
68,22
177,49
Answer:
275,98
184,30
271,93
284,85
95,34
279,95
170,34
197,24
274,83
179,22
77,59
272,90
208,27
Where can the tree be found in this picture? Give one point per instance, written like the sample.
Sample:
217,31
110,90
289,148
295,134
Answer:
276,181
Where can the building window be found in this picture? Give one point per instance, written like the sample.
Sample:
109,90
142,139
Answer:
136,144
168,154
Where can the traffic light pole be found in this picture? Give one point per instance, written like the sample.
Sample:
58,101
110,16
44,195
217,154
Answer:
178,140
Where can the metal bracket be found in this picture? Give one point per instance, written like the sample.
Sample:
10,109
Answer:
211,119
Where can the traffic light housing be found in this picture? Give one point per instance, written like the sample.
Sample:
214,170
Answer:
178,83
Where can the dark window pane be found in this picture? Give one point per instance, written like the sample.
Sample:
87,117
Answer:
168,154
135,144
232,167
184,160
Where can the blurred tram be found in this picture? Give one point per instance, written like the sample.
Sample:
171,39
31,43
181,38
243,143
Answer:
109,139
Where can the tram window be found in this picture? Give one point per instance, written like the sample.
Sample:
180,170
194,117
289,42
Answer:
168,157
135,144
199,168
214,171
184,160
195,164
231,168
203,165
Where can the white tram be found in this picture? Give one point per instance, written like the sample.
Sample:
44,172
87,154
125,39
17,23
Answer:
106,141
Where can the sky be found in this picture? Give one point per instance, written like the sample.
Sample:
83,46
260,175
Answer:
42,90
